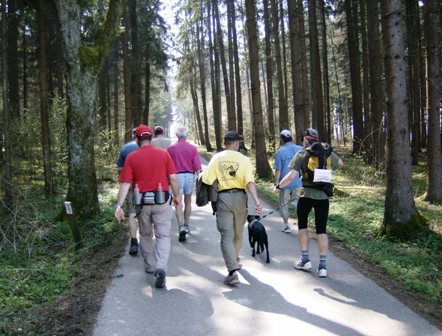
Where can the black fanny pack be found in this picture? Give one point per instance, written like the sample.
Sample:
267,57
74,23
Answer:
152,198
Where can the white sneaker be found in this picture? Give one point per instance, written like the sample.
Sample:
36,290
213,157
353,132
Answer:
322,273
186,228
305,266
286,229
231,280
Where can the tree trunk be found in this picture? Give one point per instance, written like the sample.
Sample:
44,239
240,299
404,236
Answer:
304,64
231,121
202,73
269,75
25,68
239,111
283,115
83,69
44,99
375,86
296,67
327,129
315,71
230,23
135,61
7,164
196,109
432,34
128,120
401,218
215,80
413,46
116,94
355,72
147,76
366,115
13,68
284,55
263,169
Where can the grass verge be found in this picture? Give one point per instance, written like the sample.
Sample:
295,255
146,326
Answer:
42,266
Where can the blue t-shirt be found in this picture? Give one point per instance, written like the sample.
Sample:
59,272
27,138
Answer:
282,159
125,151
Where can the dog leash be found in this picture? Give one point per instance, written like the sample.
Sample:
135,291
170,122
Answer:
273,211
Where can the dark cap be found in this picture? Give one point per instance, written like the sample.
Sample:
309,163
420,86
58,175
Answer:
231,136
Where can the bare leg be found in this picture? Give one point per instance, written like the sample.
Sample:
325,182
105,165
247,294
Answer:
303,239
179,212
187,208
323,244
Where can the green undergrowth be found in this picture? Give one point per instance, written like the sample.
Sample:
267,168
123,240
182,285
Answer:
356,213
38,263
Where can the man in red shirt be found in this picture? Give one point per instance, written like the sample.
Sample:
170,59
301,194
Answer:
187,163
151,169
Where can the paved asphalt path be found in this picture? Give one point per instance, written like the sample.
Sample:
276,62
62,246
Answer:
272,299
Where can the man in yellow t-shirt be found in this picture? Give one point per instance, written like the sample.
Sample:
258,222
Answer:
234,173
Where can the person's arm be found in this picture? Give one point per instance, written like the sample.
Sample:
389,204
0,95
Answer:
251,187
277,175
122,193
175,189
291,175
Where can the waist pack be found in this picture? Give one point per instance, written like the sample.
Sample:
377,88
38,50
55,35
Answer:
151,198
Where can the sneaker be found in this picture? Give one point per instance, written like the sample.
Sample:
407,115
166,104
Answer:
186,228
161,278
133,250
322,273
301,265
182,236
286,229
231,280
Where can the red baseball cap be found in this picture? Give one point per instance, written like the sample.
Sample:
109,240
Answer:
143,130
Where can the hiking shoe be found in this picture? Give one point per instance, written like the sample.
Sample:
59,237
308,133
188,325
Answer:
322,273
186,228
161,278
286,229
231,280
303,265
182,236
133,250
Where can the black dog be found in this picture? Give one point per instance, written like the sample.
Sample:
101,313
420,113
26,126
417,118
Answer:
258,236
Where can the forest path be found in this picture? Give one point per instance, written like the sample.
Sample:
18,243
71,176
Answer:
272,299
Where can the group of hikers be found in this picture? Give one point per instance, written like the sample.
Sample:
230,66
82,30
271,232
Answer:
154,174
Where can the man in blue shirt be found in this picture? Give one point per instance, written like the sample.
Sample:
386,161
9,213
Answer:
132,223
282,159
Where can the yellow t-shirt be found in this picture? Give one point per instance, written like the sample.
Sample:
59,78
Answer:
231,168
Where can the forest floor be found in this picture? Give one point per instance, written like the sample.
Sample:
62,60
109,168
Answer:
74,313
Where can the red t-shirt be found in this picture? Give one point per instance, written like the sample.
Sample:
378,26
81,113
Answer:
147,166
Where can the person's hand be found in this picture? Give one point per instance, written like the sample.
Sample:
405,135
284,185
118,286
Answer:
258,209
119,214
276,189
176,201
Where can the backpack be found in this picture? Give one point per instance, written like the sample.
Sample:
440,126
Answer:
316,168
205,193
